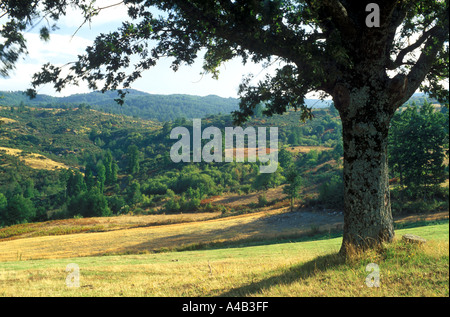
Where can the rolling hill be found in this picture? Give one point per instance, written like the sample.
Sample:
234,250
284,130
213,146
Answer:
140,104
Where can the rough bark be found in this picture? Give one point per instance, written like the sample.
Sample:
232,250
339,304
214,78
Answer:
367,208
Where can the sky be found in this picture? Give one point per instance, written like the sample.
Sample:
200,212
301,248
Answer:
64,47
68,42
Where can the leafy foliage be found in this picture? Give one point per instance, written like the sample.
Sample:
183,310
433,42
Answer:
100,181
418,146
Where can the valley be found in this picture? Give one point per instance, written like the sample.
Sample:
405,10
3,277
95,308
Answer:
82,186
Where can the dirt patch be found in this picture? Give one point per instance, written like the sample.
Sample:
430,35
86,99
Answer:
234,200
328,220
306,220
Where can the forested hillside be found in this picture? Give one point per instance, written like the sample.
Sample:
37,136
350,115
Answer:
79,162
139,104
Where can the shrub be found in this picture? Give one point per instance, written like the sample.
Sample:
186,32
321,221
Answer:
89,204
331,193
172,205
115,203
19,210
262,200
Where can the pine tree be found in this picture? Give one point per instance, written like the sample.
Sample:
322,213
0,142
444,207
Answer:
108,163
292,188
133,159
75,183
20,209
101,175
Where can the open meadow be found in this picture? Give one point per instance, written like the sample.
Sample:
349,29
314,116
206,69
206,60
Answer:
144,258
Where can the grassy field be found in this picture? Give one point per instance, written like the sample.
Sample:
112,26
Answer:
145,239
307,267
34,160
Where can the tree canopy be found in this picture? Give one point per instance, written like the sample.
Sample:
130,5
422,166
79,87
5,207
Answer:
317,42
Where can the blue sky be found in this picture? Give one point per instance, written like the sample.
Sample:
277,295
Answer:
64,46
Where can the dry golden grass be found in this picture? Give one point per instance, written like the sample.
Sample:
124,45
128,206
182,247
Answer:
145,234
307,268
100,224
135,240
34,160
306,149
7,120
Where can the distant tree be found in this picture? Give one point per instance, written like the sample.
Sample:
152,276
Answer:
96,204
3,205
89,178
133,159
134,195
115,203
114,172
262,200
101,176
295,135
269,180
195,180
417,147
338,151
108,163
258,112
285,158
172,205
3,202
90,203
292,188
29,188
75,183
331,192
167,127
20,209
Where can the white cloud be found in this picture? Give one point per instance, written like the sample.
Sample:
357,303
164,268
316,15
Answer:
59,50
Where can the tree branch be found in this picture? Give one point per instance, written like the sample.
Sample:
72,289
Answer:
401,55
334,11
425,62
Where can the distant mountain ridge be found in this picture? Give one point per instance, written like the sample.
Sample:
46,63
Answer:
137,103
140,104
144,105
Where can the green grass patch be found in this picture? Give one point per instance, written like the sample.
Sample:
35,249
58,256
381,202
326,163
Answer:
296,268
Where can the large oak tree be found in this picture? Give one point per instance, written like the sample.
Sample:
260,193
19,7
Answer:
369,58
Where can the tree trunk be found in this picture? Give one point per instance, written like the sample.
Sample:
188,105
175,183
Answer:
367,208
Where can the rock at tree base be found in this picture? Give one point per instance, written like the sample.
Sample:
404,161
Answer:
411,238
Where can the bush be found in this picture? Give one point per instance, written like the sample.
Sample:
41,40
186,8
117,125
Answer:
262,200
331,193
154,187
89,204
246,189
418,206
19,210
172,205
115,203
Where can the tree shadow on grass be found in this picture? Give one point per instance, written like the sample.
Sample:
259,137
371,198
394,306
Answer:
293,274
